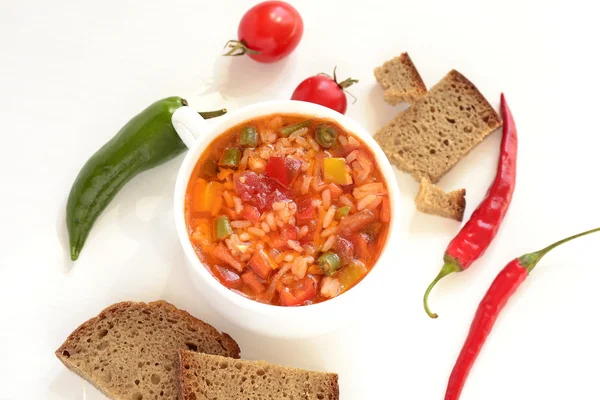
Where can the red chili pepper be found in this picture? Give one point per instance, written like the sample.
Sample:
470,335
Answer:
503,287
476,235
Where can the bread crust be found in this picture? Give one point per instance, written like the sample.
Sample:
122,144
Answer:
400,80
191,380
432,200
439,129
63,353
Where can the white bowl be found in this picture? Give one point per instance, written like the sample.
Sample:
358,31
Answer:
264,319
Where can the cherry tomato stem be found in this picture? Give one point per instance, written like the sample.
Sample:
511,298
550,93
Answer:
237,48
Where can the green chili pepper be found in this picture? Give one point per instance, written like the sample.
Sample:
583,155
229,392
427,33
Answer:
342,212
222,227
326,135
249,137
288,130
330,263
146,141
230,157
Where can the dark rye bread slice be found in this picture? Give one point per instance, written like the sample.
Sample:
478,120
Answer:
400,80
130,350
438,130
208,377
433,200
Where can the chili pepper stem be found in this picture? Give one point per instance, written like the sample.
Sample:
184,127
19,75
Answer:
212,114
449,267
530,260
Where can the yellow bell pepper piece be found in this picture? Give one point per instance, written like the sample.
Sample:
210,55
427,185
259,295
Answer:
351,274
335,170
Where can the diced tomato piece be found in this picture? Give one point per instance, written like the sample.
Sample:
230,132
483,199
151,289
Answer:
304,289
300,292
289,232
253,281
345,249
259,190
262,264
250,213
305,209
283,170
335,190
223,254
361,246
343,151
227,277
286,298
278,242
312,227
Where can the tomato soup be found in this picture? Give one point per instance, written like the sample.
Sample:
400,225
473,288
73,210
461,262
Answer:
287,210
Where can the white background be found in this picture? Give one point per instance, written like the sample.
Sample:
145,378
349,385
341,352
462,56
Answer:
73,72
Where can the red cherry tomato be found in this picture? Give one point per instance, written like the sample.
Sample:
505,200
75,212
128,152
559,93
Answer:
268,32
324,90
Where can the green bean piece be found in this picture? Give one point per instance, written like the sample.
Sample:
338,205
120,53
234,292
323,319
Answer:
330,262
288,130
249,137
342,212
326,135
230,157
222,227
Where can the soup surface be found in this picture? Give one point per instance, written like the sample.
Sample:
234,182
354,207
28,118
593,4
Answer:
287,210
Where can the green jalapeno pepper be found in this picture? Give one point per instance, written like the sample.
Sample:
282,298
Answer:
146,141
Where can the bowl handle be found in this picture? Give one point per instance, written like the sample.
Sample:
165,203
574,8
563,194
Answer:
189,125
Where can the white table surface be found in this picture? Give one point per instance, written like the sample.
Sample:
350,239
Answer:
73,72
